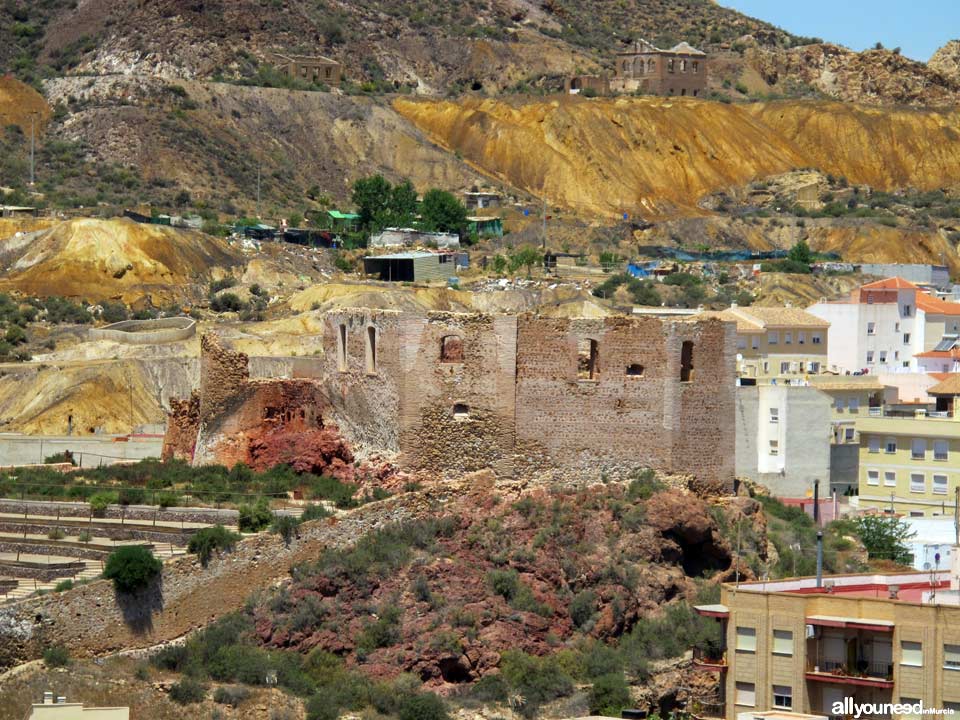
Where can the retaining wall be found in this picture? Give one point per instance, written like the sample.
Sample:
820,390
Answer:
147,332
93,620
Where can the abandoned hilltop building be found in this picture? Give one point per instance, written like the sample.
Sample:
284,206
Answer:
309,68
446,393
643,67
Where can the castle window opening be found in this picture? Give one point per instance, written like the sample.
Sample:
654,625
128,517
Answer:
683,66
670,65
696,69
683,91
342,348
686,361
461,411
651,65
451,349
371,350
587,359
635,370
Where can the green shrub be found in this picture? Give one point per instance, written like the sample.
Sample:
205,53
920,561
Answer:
85,536
56,534
56,656
205,541
315,511
256,517
132,496
227,302
609,695
232,695
505,583
490,688
63,585
132,568
285,526
538,679
188,691
384,632
582,607
100,502
422,706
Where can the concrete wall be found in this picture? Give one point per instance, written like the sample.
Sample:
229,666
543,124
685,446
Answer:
938,275
801,431
88,450
844,467
147,332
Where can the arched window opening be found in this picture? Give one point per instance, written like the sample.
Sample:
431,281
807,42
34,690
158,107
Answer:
451,349
588,360
371,350
342,348
686,361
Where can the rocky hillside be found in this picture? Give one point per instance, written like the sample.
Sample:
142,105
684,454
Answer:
655,157
98,260
483,45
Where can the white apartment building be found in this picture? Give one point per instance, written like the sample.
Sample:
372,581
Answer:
884,325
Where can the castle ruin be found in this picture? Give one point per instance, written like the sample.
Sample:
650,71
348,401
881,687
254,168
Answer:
446,393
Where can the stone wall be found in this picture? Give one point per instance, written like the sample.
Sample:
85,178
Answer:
259,407
183,424
364,392
223,374
457,408
147,513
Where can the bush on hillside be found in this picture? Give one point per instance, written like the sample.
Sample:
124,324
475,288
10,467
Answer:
132,568
256,517
204,542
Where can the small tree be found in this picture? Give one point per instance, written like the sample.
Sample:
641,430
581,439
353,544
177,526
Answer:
609,695
132,568
56,656
372,197
885,537
422,706
442,212
800,253
526,256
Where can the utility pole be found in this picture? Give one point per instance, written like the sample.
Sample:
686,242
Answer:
33,142
956,515
258,190
544,223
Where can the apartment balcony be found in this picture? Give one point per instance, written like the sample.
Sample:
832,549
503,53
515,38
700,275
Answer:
711,660
840,672
876,412
707,711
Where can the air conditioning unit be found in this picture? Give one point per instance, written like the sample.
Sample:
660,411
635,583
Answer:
811,632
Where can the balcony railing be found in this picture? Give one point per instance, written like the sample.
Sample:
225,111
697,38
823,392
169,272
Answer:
860,670
911,414
709,659
707,710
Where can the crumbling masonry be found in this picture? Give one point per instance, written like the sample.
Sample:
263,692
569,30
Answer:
444,393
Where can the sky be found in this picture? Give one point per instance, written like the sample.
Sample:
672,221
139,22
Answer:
917,27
